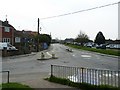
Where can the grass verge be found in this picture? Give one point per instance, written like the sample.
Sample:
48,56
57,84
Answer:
14,86
83,86
103,51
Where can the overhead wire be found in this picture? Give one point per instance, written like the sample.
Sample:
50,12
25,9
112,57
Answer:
80,11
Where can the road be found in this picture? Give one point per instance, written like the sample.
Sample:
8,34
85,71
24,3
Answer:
80,58
25,68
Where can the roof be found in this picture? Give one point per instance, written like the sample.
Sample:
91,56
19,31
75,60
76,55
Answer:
6,23
23,34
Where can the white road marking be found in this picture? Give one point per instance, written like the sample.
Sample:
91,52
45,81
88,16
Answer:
49,54
73,55
85,56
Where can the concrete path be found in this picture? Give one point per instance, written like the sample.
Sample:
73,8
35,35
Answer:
36,80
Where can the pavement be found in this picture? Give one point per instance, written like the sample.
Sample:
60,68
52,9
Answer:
36,81
18,56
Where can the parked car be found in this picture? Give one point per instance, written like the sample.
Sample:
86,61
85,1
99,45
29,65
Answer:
113,46
101,46
6,46
89,45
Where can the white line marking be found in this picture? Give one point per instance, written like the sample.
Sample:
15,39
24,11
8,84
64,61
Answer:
85,56
73,55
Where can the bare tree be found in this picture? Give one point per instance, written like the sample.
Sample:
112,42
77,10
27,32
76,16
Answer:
82,38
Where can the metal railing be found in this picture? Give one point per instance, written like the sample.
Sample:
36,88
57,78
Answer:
8,75
86,75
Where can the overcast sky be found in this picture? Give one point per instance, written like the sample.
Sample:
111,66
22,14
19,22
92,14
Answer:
23,14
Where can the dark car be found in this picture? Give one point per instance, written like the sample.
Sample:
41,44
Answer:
102,46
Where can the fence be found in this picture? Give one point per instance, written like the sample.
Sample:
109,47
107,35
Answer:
86,75
8,75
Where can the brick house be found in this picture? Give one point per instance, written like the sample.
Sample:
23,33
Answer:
23,36
24,39
6,32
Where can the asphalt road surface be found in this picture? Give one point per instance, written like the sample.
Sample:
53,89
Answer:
80,58
23,68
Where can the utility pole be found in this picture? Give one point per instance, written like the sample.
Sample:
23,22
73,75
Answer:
38,25
38,36
119,21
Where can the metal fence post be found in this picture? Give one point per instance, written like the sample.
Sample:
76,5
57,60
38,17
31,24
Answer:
82,75
118,82
8,76
51,70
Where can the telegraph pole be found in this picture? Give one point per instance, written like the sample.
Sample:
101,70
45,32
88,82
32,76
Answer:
38,25
38,36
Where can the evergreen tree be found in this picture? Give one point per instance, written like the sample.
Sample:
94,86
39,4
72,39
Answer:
100,39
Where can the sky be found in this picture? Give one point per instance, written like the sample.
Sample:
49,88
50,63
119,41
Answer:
23,15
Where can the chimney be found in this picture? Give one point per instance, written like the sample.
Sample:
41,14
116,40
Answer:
6,20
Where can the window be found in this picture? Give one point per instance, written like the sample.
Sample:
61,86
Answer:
17,39
7,29
7,40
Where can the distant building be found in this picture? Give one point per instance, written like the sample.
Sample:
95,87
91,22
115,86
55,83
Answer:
55,41
69,40
109,41
6,32
23,36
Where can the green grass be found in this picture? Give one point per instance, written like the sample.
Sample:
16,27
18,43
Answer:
82,86
15,86
103,51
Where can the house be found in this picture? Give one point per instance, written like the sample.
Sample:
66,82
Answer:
24,36
25,39
69,40
6,32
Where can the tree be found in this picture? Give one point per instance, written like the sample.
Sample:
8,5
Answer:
43,38
82,38
100,39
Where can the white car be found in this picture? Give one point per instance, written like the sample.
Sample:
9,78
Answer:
7,46
113,46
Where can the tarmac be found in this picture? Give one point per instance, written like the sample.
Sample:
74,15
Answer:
36,80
